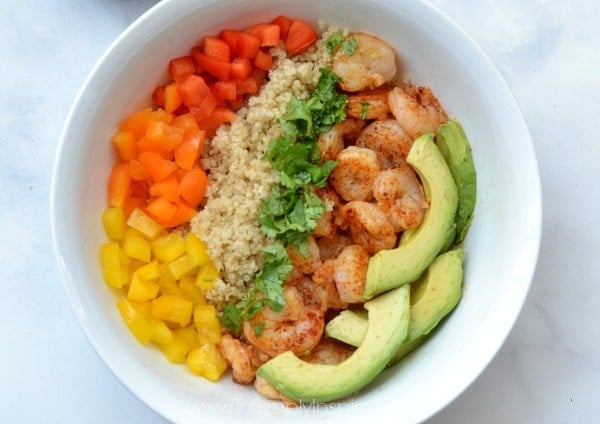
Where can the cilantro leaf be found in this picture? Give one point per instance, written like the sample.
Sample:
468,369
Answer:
364,108
349,46
334,41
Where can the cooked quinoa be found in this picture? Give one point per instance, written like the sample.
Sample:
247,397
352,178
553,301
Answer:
240,177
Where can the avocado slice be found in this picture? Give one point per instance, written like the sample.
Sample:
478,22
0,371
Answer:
394,267
387,327
433,296
454,146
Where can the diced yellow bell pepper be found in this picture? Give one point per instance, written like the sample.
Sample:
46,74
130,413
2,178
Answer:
168,285
196,249
168,247
176,350
141,290
188,334
207,324
144,224
188,289
113,270
137,247
172,308
181,266
136,322
149,271
207,361
207,276
113,220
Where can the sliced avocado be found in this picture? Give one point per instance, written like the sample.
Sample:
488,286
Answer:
404,264
348,327
387,328
432,297
455,148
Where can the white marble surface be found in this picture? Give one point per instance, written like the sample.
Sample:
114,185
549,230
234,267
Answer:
549,368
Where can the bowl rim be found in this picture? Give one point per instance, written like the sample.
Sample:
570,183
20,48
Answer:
534,206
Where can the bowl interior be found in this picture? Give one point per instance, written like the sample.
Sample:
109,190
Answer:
501,248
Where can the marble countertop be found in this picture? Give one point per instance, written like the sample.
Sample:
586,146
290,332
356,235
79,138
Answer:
548,371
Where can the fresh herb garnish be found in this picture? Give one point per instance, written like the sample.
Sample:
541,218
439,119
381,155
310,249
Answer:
349,46
334,41
292,210
337,40
266,289
364,108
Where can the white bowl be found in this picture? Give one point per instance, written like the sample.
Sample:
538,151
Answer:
501,248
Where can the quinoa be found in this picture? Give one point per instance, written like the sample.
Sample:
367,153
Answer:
240,177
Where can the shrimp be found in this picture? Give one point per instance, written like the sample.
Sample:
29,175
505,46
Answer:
331,247
369,226
269,392
353,177
305,265
372,64
243,358
372,104
324,277
416,109
400,194
333,202
331,142
389,140
298,327
350,273
330,351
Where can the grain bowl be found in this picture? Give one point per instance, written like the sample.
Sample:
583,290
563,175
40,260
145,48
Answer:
501,246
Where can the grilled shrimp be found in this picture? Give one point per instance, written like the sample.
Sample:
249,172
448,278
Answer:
353,176
269,392
333,202
372,64
243,358
350,273
389,140
331,142
331,247
372,104
330,351
369,226
324,278
400,195
297,327
416,109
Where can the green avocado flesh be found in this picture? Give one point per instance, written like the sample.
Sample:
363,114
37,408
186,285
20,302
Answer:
433,296
393,268
387,327
455,148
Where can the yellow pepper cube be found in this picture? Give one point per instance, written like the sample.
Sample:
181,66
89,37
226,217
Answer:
113,220
135,321
149,271
176,350
144,224
207,362
137,247
141,290
172,308
168,247
188,334
113,270
168,285
196,249
181,266
187,286
207,276
207,324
